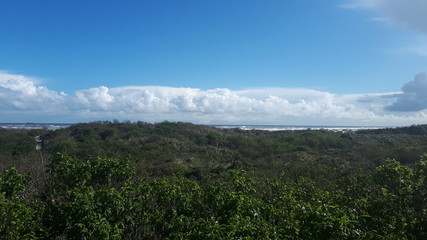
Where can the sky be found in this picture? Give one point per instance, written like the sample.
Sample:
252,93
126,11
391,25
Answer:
287,62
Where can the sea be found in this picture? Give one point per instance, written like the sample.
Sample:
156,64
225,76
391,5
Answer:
55,126
49,126
298,127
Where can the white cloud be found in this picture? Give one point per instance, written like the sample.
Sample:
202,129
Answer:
94,98
18,92
413,96
22,99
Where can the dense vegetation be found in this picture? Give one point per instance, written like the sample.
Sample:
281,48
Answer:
123,180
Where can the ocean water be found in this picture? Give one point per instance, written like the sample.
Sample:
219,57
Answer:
297,127
54,126
49,126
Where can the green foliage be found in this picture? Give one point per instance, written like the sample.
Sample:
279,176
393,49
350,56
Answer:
183,181
17,219
93,171
86,201
15,146
11,182
16,216
83,213
68,147
394,177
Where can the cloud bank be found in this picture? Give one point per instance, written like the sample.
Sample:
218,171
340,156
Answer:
413,96
22,99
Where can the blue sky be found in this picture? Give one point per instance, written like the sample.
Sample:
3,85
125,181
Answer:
338,62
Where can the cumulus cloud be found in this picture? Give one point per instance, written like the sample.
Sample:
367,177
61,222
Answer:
23,99
94,98
413,96
405,13
18,92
